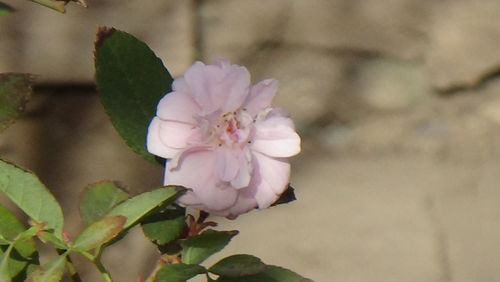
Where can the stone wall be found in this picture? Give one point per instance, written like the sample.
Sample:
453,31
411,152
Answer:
397,102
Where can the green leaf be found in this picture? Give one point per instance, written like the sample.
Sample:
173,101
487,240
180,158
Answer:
10,227
98,199
271,274
99,233
282,274
139,206
48,236
5,273
238,265
29,194
51,272
15,90
57,5
3,240
179,272
165,225
199,247
24,252
287,197
18,258
131,80
5,9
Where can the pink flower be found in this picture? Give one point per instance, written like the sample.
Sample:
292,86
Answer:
223,139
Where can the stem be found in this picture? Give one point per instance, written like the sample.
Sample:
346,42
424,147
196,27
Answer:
96,260
88,256
72,270
162,261
152,277
75,277
4,263
103,271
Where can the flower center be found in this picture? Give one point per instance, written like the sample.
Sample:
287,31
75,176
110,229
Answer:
234,128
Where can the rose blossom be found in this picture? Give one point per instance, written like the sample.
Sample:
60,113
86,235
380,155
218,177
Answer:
223,140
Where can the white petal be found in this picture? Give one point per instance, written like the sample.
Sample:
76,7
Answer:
214,87
226,163
178,106
189,199
218,197
176,134
180,85
197,171
261,96
222,62
276,137
245,202
235,86
174,162
202,81
154,143
274,171
270,179
245,171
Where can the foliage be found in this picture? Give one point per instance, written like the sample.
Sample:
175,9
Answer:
15,90
56,5
130,79
5,9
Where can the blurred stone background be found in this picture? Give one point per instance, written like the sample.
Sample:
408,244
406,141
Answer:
397,102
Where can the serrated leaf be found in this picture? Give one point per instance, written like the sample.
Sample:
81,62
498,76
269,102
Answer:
165,225
131,80
179,272
28,193
197,248
15,90
50,272
271,274
99,198
99,233
5,9
238,265
137,207
287,197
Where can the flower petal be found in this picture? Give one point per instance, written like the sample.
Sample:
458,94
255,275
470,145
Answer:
197,171
154,143
225,176
226,163
178,106
236,87
261,96
220,86
276,137
217,197
271,178
245,170
189,199
176,134
202,81
244,203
